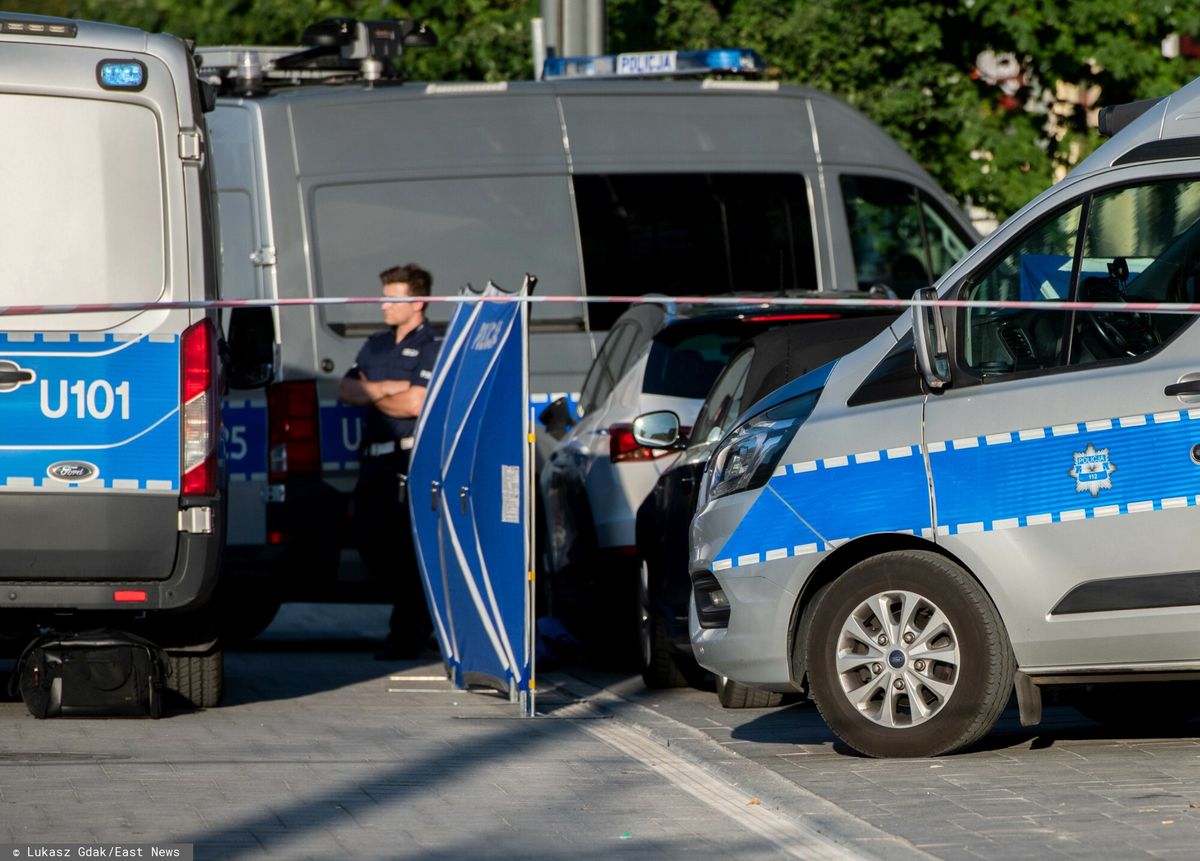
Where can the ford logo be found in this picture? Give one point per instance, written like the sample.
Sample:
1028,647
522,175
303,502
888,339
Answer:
73,471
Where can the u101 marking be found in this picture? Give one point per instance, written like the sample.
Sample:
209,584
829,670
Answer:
95,400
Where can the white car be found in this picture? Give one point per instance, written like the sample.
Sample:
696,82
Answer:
656,357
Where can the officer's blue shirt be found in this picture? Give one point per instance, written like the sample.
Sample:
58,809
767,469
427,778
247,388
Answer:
381,358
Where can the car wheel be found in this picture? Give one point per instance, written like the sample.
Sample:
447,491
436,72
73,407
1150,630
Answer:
735,695
908,656
659,666
1138,706
198,679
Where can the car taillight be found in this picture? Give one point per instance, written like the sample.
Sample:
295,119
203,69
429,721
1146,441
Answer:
293,431
198,373
623,448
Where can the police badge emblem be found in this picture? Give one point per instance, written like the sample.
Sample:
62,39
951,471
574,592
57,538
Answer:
1092,470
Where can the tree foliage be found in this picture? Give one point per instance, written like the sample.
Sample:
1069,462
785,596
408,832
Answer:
911,65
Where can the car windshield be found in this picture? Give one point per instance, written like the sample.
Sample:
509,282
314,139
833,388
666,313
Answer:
724,402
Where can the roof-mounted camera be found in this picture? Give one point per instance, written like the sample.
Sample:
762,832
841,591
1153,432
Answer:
333,50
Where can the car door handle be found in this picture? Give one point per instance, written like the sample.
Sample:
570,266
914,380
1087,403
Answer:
1187,387
15,376
462,497
434,487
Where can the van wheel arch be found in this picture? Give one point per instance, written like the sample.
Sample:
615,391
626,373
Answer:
834,566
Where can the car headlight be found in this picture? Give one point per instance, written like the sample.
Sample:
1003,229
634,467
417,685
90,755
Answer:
749,455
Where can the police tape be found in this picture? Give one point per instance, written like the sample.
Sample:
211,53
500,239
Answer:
653,299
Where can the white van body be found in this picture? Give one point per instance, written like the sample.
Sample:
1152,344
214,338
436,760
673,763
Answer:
589,185
1033,496
110,468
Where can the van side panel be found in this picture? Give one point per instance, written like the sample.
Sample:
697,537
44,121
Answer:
740,132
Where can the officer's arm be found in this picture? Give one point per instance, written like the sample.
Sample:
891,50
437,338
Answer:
402,405
365,393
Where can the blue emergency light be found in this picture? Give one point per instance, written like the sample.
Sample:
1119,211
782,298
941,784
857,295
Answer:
121,74
653,64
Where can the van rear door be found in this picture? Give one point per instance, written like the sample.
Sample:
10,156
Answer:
92,212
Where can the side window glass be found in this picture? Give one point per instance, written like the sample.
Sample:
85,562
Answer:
693,234
724,400
1037,267
1142,244
900,239
603,374
945,242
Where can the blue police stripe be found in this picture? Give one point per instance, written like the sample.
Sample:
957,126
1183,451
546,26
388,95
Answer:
110,401
1007,480
1028,482
813,506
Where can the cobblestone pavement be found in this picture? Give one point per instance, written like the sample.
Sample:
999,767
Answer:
1066,789
322,752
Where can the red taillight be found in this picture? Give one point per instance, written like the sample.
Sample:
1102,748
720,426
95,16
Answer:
623,448
198,409
789,318
129,596
293,431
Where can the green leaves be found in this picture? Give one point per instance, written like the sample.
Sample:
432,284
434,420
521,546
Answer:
910,66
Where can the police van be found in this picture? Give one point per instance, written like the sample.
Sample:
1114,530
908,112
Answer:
110,471
331,169
991,496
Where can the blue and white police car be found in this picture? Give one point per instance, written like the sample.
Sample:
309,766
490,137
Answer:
1006,500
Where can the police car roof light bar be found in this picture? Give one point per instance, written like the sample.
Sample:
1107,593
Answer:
646,64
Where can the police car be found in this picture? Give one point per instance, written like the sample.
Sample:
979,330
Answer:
912,546
110,465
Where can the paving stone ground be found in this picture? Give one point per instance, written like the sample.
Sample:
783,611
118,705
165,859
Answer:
1065,789
318,753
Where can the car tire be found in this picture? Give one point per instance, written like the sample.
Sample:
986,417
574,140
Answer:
659,666
735,695
898,627
198,679
1138,707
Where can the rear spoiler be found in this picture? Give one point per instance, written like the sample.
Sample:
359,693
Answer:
1116,117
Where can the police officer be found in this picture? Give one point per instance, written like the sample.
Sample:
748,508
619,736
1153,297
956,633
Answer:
390,378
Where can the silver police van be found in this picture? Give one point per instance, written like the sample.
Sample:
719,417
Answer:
331,169
913,545
111,499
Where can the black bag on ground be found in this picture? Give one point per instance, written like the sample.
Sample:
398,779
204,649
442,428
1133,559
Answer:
95,673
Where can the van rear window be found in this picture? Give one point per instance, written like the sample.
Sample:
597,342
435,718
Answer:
81,213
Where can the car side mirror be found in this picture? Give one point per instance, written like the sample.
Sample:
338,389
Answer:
657,430
930,341
251,347
557,418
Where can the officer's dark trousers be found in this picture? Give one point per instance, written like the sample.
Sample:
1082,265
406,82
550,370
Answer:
383,532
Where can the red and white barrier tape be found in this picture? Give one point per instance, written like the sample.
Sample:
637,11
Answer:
768,301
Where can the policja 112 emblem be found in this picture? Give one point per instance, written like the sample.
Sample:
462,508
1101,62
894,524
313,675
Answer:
1092,470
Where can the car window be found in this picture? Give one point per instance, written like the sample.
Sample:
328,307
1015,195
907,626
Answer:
1037,267
693,234
605,370
1138,243
900,238
84,213
724,401
688,367
1142,244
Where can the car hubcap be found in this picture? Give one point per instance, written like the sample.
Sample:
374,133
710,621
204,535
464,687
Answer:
897,659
